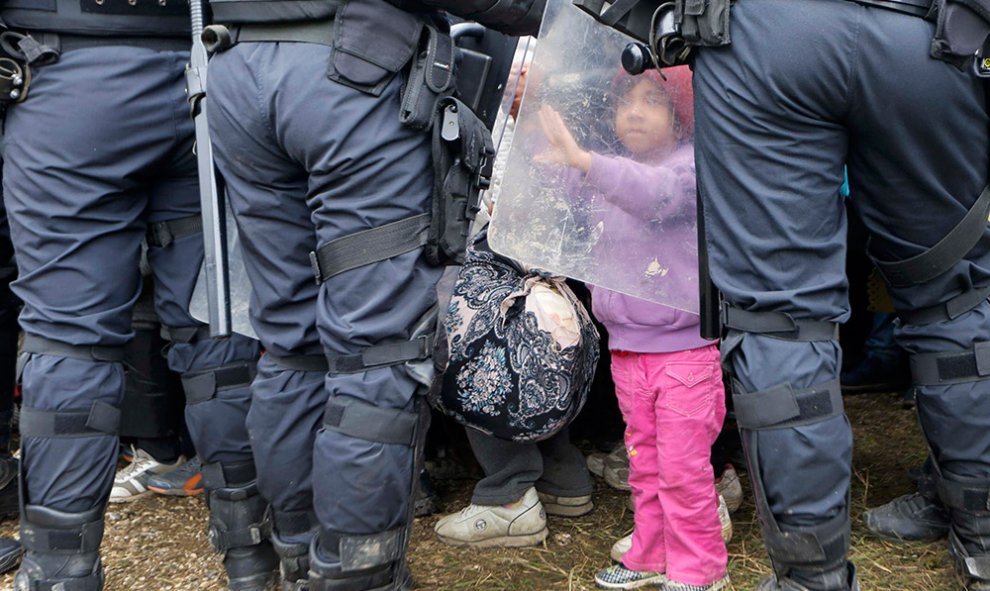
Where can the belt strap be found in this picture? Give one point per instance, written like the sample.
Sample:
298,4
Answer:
940,369
320,32
100,419
357,418
382,355
369,246
783,406
777,324
301,362
45,346
914,8
947,252
63,42
162,234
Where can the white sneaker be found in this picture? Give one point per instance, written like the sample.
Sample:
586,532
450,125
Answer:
620,548
724,519
729,487
523,523
131,482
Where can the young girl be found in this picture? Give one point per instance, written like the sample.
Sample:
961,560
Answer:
667,378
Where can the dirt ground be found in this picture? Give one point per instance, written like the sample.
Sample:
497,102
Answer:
158,543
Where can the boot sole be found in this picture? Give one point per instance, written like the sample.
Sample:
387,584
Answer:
502,541
568,510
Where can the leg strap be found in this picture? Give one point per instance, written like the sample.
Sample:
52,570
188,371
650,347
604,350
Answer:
228,474
292,523
940,369
969,495
369,246
777,324
382,355
359,552
949,310
50,531
46,346
100,419
362,420
185,334
301,362
783,406
161,234
203,386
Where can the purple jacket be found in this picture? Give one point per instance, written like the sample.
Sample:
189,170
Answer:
636,194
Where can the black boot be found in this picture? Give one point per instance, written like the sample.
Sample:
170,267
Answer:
240,529
969,547
9,494
909,518
293,564
842,578
325,574
62,548
10,554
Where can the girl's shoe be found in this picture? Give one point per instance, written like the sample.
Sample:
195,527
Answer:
718,585
620,548
618,576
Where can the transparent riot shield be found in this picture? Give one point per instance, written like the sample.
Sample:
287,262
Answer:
240,287
595,188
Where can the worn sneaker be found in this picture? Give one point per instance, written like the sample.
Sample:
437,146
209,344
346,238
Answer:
131,482
522,523
596,463
184,481
724,519
618,576
620,547
566,506
718,585
616,469
729,487
909,518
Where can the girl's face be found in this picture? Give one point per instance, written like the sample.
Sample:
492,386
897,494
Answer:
644,122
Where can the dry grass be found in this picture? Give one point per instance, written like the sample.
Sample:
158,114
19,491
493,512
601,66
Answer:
157,543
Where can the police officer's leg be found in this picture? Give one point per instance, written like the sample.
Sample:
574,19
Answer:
770,150
914,183
363,177
267,192
75,207
216,377
9,332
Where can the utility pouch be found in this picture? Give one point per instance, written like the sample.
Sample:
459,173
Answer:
962,28
373,41
703,23
463,156
431,76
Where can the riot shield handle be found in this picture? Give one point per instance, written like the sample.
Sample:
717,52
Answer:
632,17
210,191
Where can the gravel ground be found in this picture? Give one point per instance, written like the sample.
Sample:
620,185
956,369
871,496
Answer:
158,543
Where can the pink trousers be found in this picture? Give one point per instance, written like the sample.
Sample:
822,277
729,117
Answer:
674,405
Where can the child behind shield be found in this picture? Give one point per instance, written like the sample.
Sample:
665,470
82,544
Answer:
667,378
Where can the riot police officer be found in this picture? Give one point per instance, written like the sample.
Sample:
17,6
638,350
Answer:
304,100
98,155
804,87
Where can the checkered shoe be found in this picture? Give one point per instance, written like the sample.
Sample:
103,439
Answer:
618,576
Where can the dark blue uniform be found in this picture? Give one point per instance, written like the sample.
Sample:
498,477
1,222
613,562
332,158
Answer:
310,143
97,157
805,87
